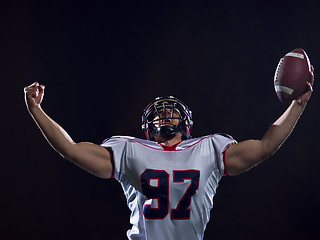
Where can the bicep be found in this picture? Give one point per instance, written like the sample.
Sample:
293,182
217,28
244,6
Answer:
243,156
93,158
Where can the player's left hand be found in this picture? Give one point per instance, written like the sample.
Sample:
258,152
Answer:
302,100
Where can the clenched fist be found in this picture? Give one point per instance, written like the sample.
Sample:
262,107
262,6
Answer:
33,95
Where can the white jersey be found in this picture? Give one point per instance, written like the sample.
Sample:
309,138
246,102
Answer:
169,190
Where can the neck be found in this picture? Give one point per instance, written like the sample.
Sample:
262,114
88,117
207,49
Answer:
168,142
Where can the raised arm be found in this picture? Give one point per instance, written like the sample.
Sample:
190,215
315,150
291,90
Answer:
91,157
244,155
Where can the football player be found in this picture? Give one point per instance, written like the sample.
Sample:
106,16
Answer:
169,179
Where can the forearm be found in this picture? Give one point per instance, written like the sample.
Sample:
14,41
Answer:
89,156
282,128
56,136
241,157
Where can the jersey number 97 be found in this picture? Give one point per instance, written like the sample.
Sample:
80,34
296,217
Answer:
161,192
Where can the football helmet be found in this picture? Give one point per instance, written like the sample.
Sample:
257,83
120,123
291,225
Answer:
157,111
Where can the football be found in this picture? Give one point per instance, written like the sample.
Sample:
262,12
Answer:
292,74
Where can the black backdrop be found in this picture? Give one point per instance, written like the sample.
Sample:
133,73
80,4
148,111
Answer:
103,61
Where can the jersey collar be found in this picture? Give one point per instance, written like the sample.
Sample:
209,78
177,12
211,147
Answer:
170,148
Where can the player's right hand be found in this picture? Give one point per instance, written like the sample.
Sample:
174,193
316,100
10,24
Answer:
33,95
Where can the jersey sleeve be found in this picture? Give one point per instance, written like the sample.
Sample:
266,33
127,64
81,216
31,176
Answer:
221,143
118,147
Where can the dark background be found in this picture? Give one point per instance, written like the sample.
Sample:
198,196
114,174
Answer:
103,61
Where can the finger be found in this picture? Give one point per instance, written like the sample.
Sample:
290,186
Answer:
32,86
309,87
40,93
311,74
41,89
33,90
311,78
311,70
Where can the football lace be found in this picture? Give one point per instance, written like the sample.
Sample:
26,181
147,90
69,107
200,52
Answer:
277,70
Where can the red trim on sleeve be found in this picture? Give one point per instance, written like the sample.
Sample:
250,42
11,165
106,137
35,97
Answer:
225,172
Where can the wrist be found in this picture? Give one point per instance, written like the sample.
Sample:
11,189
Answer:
298,107
33,109
298,103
